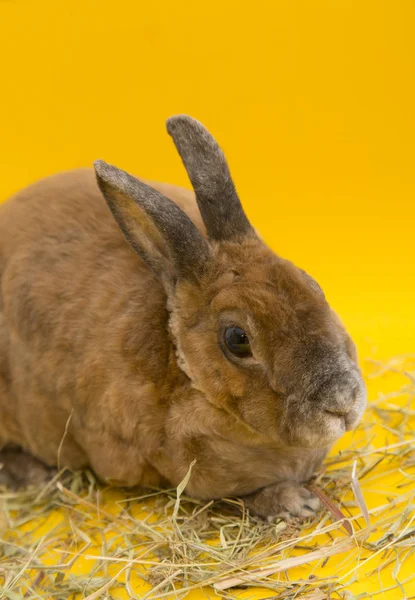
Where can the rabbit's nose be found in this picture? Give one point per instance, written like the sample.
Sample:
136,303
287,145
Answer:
344,400
341,394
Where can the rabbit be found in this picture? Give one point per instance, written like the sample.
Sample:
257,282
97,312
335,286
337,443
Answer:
144,327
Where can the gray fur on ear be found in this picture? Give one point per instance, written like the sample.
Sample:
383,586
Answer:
156,228
209,173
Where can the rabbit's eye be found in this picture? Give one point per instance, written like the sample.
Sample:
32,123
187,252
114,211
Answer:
237,342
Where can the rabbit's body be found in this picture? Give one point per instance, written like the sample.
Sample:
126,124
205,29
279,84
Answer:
72,292
99,361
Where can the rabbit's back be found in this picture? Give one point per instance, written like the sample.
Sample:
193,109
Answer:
70,199
80,314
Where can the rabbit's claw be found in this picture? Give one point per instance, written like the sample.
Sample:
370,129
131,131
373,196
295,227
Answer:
285,500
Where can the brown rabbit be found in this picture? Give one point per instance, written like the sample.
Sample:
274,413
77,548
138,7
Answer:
185,338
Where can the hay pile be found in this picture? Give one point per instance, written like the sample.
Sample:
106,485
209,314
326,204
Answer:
75,539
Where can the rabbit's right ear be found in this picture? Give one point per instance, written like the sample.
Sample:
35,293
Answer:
208,171
156,228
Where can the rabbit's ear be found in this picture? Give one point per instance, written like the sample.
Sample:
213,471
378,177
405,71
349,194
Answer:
209,173
157,229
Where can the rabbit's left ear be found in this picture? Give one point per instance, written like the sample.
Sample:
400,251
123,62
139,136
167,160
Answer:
156,228
209,173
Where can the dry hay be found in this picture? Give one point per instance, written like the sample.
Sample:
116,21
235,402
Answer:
75,539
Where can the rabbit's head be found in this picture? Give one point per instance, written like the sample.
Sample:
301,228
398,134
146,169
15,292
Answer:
253,332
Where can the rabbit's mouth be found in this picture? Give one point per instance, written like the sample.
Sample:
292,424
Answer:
345,420
339,422
323,428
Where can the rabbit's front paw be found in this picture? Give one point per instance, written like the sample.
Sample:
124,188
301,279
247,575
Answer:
19,469
285,499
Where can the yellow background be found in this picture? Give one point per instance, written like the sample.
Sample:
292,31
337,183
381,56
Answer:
313,102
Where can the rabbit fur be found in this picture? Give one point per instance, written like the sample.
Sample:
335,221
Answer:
115,296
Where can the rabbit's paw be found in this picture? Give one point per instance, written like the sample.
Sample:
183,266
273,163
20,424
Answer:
19,469
285,499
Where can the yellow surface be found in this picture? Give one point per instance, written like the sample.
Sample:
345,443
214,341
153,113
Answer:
313,103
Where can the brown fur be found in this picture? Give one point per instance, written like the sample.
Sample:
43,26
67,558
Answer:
133,357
